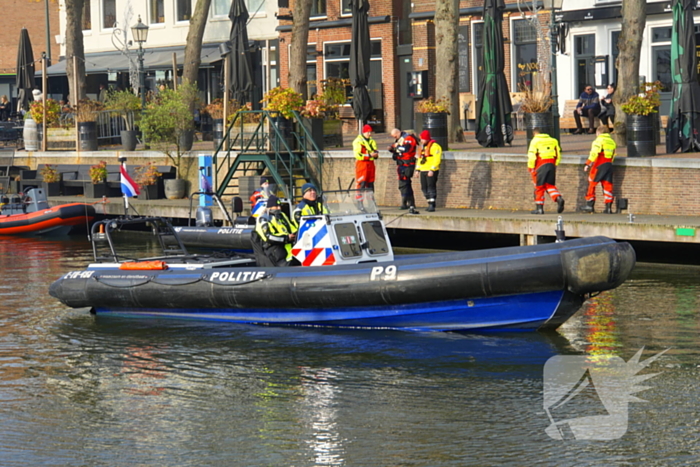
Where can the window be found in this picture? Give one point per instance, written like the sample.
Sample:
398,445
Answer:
661,57
337,57
184,10
318,8
157,11
254,6
87,21
109,13
345,7
525,45
463,58
220,7
614,36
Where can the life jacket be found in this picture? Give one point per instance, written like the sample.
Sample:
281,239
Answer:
275,228
431,156
406,149
363,148
309,208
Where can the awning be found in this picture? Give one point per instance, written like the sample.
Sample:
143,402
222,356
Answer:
153,59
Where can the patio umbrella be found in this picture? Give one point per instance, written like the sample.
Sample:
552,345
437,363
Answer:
684,117
359,60
493,119
25,70
241,66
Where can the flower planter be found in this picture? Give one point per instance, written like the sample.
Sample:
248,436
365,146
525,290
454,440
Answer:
51,188
641,139
128,140
541,120
94,190
149,192
285,128
314,127
186,140
175,188
436,124
87,132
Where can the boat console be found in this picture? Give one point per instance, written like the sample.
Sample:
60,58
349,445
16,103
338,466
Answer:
34,200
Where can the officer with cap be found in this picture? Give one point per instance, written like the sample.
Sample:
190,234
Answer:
261,193
310,204
274,236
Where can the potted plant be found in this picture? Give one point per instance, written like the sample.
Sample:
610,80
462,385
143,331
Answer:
36,112
98,176
283,102
434,113
86,114
314,112
148,178
51,180
215,109
642,110
536,105
166,124
125,105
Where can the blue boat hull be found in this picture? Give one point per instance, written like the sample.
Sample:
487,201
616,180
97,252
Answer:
517,312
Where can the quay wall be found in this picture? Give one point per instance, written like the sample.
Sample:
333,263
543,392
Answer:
666,186
471,180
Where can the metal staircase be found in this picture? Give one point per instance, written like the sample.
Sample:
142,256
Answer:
289,155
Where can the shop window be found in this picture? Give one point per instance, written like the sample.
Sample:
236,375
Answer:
525,53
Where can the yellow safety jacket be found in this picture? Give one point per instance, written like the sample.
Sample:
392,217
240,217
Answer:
363,148
543,150
602,150
309,209
276,228
430,158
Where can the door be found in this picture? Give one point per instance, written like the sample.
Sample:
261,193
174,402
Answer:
584,57
405,103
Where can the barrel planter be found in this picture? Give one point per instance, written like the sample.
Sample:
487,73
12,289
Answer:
175,188
285,128
87,135
436,124
186,140
218,134
128,140
541,120
641,140
30,135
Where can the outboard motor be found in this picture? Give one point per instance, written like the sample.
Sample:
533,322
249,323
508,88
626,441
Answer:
204,217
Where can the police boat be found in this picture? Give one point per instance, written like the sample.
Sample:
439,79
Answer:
349,277
30,214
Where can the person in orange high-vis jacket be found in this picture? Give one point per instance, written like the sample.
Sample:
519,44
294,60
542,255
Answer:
601,169
543,157
365,150
428,166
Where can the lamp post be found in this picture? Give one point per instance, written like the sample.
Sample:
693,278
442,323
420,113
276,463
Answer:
552,6
139,32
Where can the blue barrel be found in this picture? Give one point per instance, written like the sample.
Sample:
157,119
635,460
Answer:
641,139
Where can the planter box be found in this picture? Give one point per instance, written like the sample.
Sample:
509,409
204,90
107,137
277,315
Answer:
52,188
150,192
94,190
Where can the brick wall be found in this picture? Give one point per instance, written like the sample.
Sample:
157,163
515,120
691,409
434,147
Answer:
17,14
486,181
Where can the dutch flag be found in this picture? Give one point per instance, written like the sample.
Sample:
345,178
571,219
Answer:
129,186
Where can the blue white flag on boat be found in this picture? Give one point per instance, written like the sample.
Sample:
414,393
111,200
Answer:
129,186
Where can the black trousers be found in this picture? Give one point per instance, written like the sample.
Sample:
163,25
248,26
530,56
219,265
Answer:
590,113
405,173
429,185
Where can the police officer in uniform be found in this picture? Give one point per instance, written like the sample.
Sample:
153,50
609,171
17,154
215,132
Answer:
274,236
403,151
543,157
310,204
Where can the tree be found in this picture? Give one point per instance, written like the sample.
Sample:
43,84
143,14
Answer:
75,49
447,61
297,53
634,20
193,48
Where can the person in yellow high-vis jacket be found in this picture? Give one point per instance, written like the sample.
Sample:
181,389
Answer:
274,235
428,165
601,169
543,157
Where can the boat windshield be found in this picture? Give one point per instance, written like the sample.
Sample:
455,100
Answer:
350,202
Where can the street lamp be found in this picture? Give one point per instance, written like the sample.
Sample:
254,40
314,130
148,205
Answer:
139,32
553,5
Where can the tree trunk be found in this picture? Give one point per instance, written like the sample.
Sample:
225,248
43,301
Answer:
634,19
74,48
447,87
297,54
193,48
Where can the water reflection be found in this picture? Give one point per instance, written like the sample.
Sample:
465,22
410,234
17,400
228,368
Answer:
113,391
